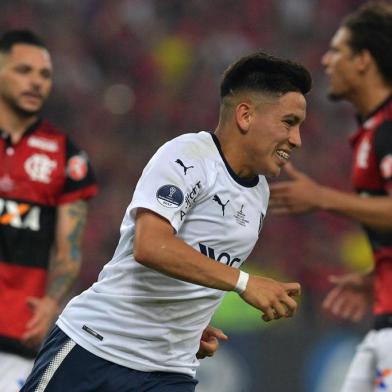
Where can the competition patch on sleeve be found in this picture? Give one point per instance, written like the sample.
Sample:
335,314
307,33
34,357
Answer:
77,167
170,196
386,166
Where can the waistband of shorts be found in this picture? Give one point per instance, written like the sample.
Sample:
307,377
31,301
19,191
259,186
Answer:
382,321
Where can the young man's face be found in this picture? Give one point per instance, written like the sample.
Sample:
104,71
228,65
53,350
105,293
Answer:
274,132
25,78
340,66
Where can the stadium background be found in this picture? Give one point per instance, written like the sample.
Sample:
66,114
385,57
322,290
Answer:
131,74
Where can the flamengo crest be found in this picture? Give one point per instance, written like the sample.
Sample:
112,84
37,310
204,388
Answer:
39,167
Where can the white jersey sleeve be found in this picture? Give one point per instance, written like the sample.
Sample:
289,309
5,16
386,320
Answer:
171,182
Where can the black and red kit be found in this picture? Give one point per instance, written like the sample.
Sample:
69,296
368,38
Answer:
372,175
37,174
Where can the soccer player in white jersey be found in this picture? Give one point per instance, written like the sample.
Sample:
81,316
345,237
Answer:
195,216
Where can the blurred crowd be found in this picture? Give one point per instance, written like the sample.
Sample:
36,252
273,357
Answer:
131,74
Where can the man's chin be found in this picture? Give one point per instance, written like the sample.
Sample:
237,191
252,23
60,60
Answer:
334,96
25,111
273,173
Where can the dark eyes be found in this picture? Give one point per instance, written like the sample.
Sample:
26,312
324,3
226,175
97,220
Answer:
24,70
289,122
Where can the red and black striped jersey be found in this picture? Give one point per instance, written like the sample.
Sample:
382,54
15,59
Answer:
37,174
372,175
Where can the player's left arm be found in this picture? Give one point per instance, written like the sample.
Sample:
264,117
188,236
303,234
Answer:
63,270
302,194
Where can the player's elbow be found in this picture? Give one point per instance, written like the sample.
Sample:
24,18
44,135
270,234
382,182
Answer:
140,252
143,251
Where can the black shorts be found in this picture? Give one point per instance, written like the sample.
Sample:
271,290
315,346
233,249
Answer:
63,366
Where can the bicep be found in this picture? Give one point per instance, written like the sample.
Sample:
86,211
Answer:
70,223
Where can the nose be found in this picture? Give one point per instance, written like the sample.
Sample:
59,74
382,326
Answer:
295,137
36,81
325,60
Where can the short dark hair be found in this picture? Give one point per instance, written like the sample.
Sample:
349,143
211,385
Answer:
261,72
14,37
371,29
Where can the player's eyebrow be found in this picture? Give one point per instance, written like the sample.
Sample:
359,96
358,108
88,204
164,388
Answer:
294,118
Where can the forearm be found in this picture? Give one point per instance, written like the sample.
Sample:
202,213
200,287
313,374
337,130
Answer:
373,211
173,257
62,274
65,264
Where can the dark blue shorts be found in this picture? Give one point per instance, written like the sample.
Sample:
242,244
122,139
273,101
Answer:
63,366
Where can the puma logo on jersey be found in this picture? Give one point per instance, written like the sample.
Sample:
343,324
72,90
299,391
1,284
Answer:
186,168
219,201
19,215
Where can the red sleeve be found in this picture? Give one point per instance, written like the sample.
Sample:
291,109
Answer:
80,182
383,148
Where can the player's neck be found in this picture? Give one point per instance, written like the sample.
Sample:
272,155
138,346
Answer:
232,152
13,124
370,97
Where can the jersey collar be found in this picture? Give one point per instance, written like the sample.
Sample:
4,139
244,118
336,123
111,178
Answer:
248,183
27,132
362,120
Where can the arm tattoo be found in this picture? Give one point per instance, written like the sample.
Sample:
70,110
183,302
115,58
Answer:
78,213
64,266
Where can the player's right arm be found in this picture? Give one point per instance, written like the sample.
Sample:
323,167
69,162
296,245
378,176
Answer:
172,256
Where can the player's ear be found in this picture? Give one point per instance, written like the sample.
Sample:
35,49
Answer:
364,60
243,116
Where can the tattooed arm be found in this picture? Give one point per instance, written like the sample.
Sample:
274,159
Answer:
64,268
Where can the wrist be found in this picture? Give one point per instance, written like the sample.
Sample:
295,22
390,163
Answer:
323,198
51,302
242,282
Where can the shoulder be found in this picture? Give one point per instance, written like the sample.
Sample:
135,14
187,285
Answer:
195,145
384,129
190,148
383,137
49,129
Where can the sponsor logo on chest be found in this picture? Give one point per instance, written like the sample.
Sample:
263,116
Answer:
43,144
224,257
19,215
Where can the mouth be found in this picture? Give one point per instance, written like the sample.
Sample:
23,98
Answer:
283,155
33,96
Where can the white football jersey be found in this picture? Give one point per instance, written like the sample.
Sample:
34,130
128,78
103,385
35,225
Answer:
140,318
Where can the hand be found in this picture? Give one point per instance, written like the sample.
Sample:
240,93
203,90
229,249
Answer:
351,297
209,342
273,298
44,312
299,195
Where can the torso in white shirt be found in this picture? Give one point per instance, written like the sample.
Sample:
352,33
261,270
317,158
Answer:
140,318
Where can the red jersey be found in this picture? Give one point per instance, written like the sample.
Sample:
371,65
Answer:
372,175
37,174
